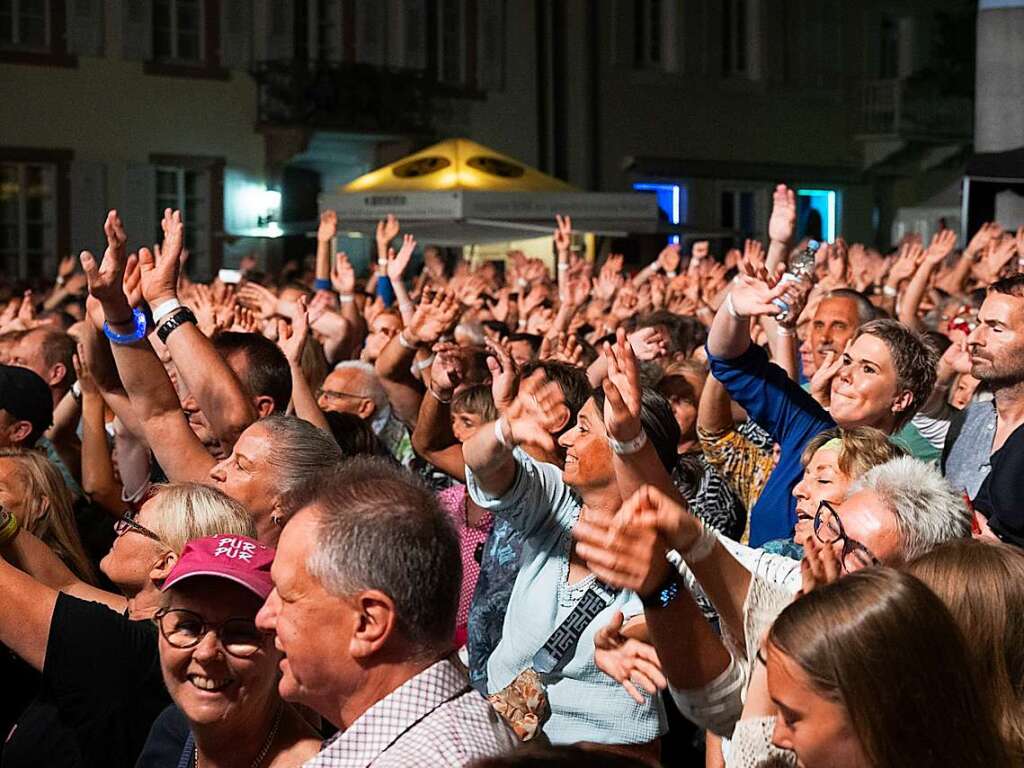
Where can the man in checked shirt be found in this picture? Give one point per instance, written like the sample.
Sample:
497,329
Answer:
366,587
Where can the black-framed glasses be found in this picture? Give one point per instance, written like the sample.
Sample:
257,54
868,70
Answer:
184,629
828,529
127,523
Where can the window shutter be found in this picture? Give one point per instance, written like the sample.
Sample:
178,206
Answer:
86,31
491,45
139,209
277,24
371,30
137,30
235,33
88,181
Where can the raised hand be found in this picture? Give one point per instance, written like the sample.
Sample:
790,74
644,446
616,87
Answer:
538,410
997,255
838,265
669,259
910,255
434,316
133,281
328,227
986,232
752,297
562,348
259,299
626,302
649,343
628,661
577,289
241,320
160,266
66,266
622,390
942,244
343,276
83,373
783,219
387,230
106,278
609,280
563,238
448,370
504,374
753,252
292,338
399,262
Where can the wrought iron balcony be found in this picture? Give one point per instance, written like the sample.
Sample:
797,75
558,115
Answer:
905,108
346,96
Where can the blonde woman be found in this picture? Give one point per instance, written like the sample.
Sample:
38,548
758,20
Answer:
101,683
33,490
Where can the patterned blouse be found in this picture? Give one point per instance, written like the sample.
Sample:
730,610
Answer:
471,544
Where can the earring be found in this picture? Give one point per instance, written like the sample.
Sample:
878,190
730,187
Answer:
277,520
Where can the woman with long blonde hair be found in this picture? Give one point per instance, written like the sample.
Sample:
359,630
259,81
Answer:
32,489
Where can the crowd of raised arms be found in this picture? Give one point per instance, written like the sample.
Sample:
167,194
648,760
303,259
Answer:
759,508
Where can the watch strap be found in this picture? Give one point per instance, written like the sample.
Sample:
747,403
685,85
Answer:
178,318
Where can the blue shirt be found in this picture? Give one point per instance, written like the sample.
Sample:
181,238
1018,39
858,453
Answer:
787,413
586,704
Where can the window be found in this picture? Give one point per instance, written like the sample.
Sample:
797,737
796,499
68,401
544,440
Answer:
186,190
817,213
451,42
28,218
741,38
739,211
178,30
24,25
647,33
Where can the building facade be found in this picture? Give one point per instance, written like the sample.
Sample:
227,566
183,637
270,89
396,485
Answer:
242,111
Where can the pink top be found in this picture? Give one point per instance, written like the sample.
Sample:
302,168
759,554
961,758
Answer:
453,501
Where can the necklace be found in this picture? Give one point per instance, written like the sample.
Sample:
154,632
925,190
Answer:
266,744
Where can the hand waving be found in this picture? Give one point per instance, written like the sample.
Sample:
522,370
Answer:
622,390
160,267
397,263
106,278
783,219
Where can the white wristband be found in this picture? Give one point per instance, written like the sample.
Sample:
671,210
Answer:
422,365
163,310
730,307
346,298
783,330
562,266
405,344
630,446
888,290
702,548
670,273
499,434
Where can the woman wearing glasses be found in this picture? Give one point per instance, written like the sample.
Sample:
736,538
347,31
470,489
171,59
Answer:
219,668
101,685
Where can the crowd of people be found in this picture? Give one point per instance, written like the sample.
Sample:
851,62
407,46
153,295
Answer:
745,509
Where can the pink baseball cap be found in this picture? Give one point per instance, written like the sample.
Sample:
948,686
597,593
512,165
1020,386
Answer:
238,558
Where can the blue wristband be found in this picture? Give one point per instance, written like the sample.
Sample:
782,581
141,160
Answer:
322,284
139,317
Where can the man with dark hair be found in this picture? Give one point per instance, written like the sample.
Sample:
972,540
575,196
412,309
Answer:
984,454
49,352
261,367
26,408
366,586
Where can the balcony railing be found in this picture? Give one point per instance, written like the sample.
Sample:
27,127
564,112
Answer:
350,97
905,108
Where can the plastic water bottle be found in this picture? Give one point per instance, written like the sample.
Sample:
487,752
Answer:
801,268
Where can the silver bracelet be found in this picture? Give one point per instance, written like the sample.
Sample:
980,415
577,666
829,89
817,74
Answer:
731,308
438,397
499,434
702,548
629,447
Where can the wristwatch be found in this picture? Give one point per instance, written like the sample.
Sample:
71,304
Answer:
180,317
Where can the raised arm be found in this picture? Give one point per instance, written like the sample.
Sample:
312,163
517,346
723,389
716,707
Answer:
324,246
153,398
292,340
433,438
221,398
396,266
781,226
98,478
941,246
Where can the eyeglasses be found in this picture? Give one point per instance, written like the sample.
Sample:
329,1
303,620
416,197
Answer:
334,394
184,629
828,529
127,523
